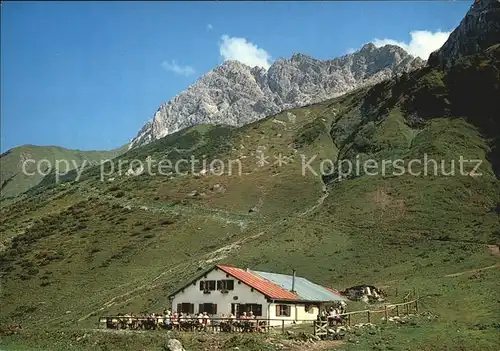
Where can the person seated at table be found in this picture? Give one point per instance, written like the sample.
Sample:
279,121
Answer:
175,319
159,319
225,323
206,319
324,315
343,306
251,315
232,319
129,320
334,316
331,315
244,316
167,321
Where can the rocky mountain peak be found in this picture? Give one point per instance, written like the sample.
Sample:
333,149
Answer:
478,30
369,47
298,57
229,65
236,94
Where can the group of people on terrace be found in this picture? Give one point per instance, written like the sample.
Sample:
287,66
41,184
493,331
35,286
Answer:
183,321
335,314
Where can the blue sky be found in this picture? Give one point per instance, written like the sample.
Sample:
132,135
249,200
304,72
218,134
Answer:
88,75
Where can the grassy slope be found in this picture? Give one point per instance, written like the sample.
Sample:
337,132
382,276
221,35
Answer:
15,182
88,248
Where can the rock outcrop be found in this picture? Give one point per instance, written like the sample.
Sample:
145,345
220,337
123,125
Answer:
236,94
479,30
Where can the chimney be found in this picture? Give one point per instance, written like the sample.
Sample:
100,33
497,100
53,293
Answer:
293,281
248,269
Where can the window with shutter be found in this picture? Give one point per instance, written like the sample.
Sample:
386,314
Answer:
210,308
211,284
185,307
226,284
207,285
283,310
256,309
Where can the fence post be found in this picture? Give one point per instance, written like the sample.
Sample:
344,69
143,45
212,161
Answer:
314,327
416,306
369,317
397,311
283,326
386,314
350,319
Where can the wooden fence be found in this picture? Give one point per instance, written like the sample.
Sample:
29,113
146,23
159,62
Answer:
369,316
259,324
193,324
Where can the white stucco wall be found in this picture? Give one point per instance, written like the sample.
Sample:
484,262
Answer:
193,294
272,314
303,315
297,313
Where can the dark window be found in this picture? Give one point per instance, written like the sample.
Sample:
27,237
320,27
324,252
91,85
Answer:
185,308
283,310
252,307
227,284
210,308
207,284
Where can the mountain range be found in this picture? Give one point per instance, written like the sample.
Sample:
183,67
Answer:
236,94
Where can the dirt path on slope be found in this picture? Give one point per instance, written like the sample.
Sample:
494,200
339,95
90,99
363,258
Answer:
473,270
495,251
319,202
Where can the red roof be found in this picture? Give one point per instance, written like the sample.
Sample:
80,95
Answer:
335,291
267,288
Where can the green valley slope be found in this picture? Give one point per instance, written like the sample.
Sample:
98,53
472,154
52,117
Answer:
14,181
115,243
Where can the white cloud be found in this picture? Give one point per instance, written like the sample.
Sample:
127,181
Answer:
350,51
210,27
174,67
240,49
422,42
